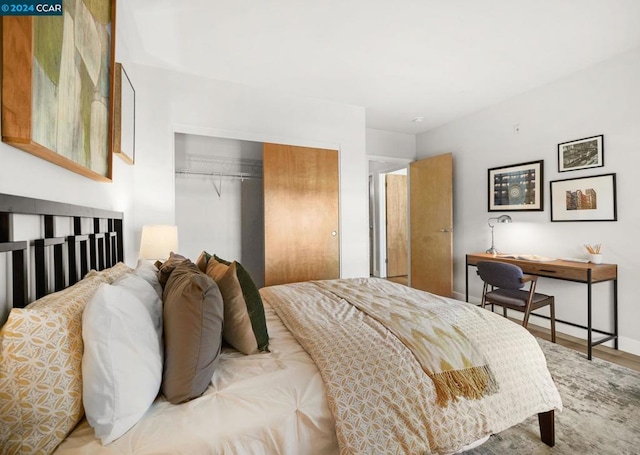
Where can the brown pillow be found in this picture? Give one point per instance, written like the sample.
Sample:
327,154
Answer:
202,261
165,268
193,315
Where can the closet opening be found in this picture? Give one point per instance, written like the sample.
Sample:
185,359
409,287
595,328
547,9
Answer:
219,199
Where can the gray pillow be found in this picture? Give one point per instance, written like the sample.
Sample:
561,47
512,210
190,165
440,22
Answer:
193,316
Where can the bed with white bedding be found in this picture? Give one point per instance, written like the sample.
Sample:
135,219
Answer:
350,366
277,402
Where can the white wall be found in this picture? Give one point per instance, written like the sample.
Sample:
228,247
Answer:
171,102
387,144
601,100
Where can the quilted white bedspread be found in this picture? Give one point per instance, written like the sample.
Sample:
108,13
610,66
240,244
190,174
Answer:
381,398
268,403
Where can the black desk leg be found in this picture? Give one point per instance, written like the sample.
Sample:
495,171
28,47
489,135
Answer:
589,322
615,312
466,279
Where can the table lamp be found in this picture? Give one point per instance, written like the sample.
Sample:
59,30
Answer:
157,241
499,219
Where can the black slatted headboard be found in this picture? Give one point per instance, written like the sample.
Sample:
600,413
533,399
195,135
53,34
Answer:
54,261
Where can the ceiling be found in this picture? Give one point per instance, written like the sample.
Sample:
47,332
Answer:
436,59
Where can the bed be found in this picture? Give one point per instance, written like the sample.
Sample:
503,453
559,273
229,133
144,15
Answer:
341,371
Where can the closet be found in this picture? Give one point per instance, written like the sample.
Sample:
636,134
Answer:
261,211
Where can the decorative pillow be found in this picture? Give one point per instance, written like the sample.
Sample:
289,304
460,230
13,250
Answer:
193,315
122,361
112,273
40,370
245,325
202,261
148,271
165,268
216,270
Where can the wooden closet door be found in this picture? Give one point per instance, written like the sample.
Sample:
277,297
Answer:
301,210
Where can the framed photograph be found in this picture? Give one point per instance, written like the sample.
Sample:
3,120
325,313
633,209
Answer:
584,199
124,116
518,187
57,82
581,154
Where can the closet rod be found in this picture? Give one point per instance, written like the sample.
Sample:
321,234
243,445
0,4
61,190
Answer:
238,175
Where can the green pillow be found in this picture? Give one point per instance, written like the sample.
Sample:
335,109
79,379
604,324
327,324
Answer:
252,303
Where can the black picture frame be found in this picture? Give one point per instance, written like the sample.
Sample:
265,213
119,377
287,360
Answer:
591,198
585,153
516,187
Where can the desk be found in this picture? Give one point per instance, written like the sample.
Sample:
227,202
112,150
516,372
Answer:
568,271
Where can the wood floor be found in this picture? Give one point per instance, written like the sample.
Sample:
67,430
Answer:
399,279
602,352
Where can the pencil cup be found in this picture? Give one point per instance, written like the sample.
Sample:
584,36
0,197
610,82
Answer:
596,258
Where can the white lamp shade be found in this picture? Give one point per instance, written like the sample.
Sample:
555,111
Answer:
158,240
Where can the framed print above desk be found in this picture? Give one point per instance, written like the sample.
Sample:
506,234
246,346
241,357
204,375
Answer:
584,199
517,187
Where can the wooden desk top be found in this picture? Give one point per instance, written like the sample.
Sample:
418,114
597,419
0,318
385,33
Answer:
559,269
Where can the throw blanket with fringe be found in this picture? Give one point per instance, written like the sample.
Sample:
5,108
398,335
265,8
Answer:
427,328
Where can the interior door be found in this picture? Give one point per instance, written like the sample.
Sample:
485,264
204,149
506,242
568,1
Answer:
301,209
431,221
396,223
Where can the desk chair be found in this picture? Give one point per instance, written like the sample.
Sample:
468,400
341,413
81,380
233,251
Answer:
507,281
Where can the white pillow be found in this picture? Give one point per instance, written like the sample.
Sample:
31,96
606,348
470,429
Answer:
147,270
122,360
139,286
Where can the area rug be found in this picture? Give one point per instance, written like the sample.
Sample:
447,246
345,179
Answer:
601,410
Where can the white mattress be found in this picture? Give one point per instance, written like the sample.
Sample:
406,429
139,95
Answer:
269,403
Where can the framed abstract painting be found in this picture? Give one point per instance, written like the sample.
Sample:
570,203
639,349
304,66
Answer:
57,83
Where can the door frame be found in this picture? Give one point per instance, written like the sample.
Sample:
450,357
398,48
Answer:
379,166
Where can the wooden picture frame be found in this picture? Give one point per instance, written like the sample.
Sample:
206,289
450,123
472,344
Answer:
57,86
517,187
584,199
124,116
583,153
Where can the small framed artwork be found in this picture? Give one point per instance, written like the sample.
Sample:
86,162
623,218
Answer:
124,116
581,154
518,187
584,199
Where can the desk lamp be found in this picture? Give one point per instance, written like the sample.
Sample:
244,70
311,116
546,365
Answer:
499,219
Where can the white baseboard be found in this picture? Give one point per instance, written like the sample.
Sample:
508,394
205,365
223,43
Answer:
629,345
